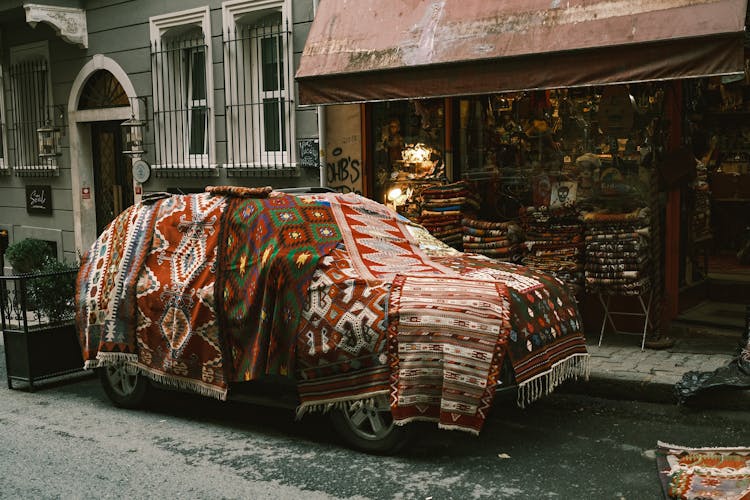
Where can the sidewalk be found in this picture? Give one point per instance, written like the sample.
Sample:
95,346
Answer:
620,370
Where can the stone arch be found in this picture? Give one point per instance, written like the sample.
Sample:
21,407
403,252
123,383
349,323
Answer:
81,161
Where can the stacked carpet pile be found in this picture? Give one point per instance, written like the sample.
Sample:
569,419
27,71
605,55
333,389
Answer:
554,243
442,209
617,252
499,240
702,203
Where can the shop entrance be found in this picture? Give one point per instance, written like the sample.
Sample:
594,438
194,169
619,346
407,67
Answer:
113,180
716,208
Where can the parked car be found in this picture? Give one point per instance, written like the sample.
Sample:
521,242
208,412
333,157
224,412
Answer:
318,302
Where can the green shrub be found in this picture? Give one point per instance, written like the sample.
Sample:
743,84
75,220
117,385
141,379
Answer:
28,255
54,295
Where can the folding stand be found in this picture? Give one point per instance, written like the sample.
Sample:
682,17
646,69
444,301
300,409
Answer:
645,314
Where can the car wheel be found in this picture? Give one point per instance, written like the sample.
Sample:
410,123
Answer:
370,427
124,387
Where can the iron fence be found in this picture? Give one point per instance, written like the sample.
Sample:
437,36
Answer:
37,314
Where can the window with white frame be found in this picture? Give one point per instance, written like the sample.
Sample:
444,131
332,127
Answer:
259,86
30,106
182,88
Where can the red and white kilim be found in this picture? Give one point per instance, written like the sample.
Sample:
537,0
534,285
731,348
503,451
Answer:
447,339
378,243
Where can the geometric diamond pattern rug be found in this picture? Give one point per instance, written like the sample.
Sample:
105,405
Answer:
269,250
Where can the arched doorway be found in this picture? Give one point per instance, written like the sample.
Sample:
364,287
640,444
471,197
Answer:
113,180
101,178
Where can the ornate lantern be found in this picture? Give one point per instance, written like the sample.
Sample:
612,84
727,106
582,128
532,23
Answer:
132,137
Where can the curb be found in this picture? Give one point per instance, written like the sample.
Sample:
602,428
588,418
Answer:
727,398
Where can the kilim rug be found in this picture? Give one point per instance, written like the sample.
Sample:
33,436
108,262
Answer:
545,343
377,240
702,473
447,336
105,292
269,250
178,333
341,342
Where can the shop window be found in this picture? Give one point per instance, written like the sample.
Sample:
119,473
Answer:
409,149
30,107
180,72
259,88
518,147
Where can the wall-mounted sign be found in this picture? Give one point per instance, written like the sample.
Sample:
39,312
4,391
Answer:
39,199
141,171
309,153
86,193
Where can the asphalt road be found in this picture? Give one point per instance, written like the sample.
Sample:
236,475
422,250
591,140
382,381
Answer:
67,441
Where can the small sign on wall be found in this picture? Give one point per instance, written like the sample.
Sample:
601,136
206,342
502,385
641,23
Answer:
39,199
309,153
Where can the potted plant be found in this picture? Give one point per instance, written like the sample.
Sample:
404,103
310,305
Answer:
38,313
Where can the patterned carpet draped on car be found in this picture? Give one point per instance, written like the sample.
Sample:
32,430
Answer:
178,332
698,473
201,290
269,250
105,292
446,339
342,337
378,241
546,345
544,338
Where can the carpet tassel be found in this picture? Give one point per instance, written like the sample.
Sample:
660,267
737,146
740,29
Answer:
574,367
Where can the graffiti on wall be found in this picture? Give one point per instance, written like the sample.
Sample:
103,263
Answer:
344,149
343,172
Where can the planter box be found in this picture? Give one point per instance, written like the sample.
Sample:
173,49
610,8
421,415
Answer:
41,353
37,347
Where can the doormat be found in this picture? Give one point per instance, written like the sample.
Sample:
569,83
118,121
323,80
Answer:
698,473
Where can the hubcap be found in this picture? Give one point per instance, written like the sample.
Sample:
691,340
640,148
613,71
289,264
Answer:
122,382
370,421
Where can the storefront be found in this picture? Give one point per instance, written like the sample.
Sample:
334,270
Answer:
548,117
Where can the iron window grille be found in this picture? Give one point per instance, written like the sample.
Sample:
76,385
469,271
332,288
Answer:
31,110
259,98
181,110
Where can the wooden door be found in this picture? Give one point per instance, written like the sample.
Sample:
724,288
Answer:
113,179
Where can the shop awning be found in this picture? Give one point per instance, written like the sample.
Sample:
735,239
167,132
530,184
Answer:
393,49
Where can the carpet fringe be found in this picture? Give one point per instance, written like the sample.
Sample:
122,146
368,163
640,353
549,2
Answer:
113,358
184,384
338,403
133,367
677,447
543,384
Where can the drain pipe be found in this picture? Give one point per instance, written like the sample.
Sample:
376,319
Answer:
321,128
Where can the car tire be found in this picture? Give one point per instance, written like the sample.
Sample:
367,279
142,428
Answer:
370,427
124,387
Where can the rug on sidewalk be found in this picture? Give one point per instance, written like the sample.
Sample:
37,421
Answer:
695,473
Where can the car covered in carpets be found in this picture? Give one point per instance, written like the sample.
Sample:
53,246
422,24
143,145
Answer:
322,302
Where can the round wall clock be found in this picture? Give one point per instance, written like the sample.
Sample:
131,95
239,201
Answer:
141,171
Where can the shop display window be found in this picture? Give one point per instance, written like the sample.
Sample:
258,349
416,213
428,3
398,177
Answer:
557,147
408,142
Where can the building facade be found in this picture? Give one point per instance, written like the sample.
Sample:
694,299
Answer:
209,86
